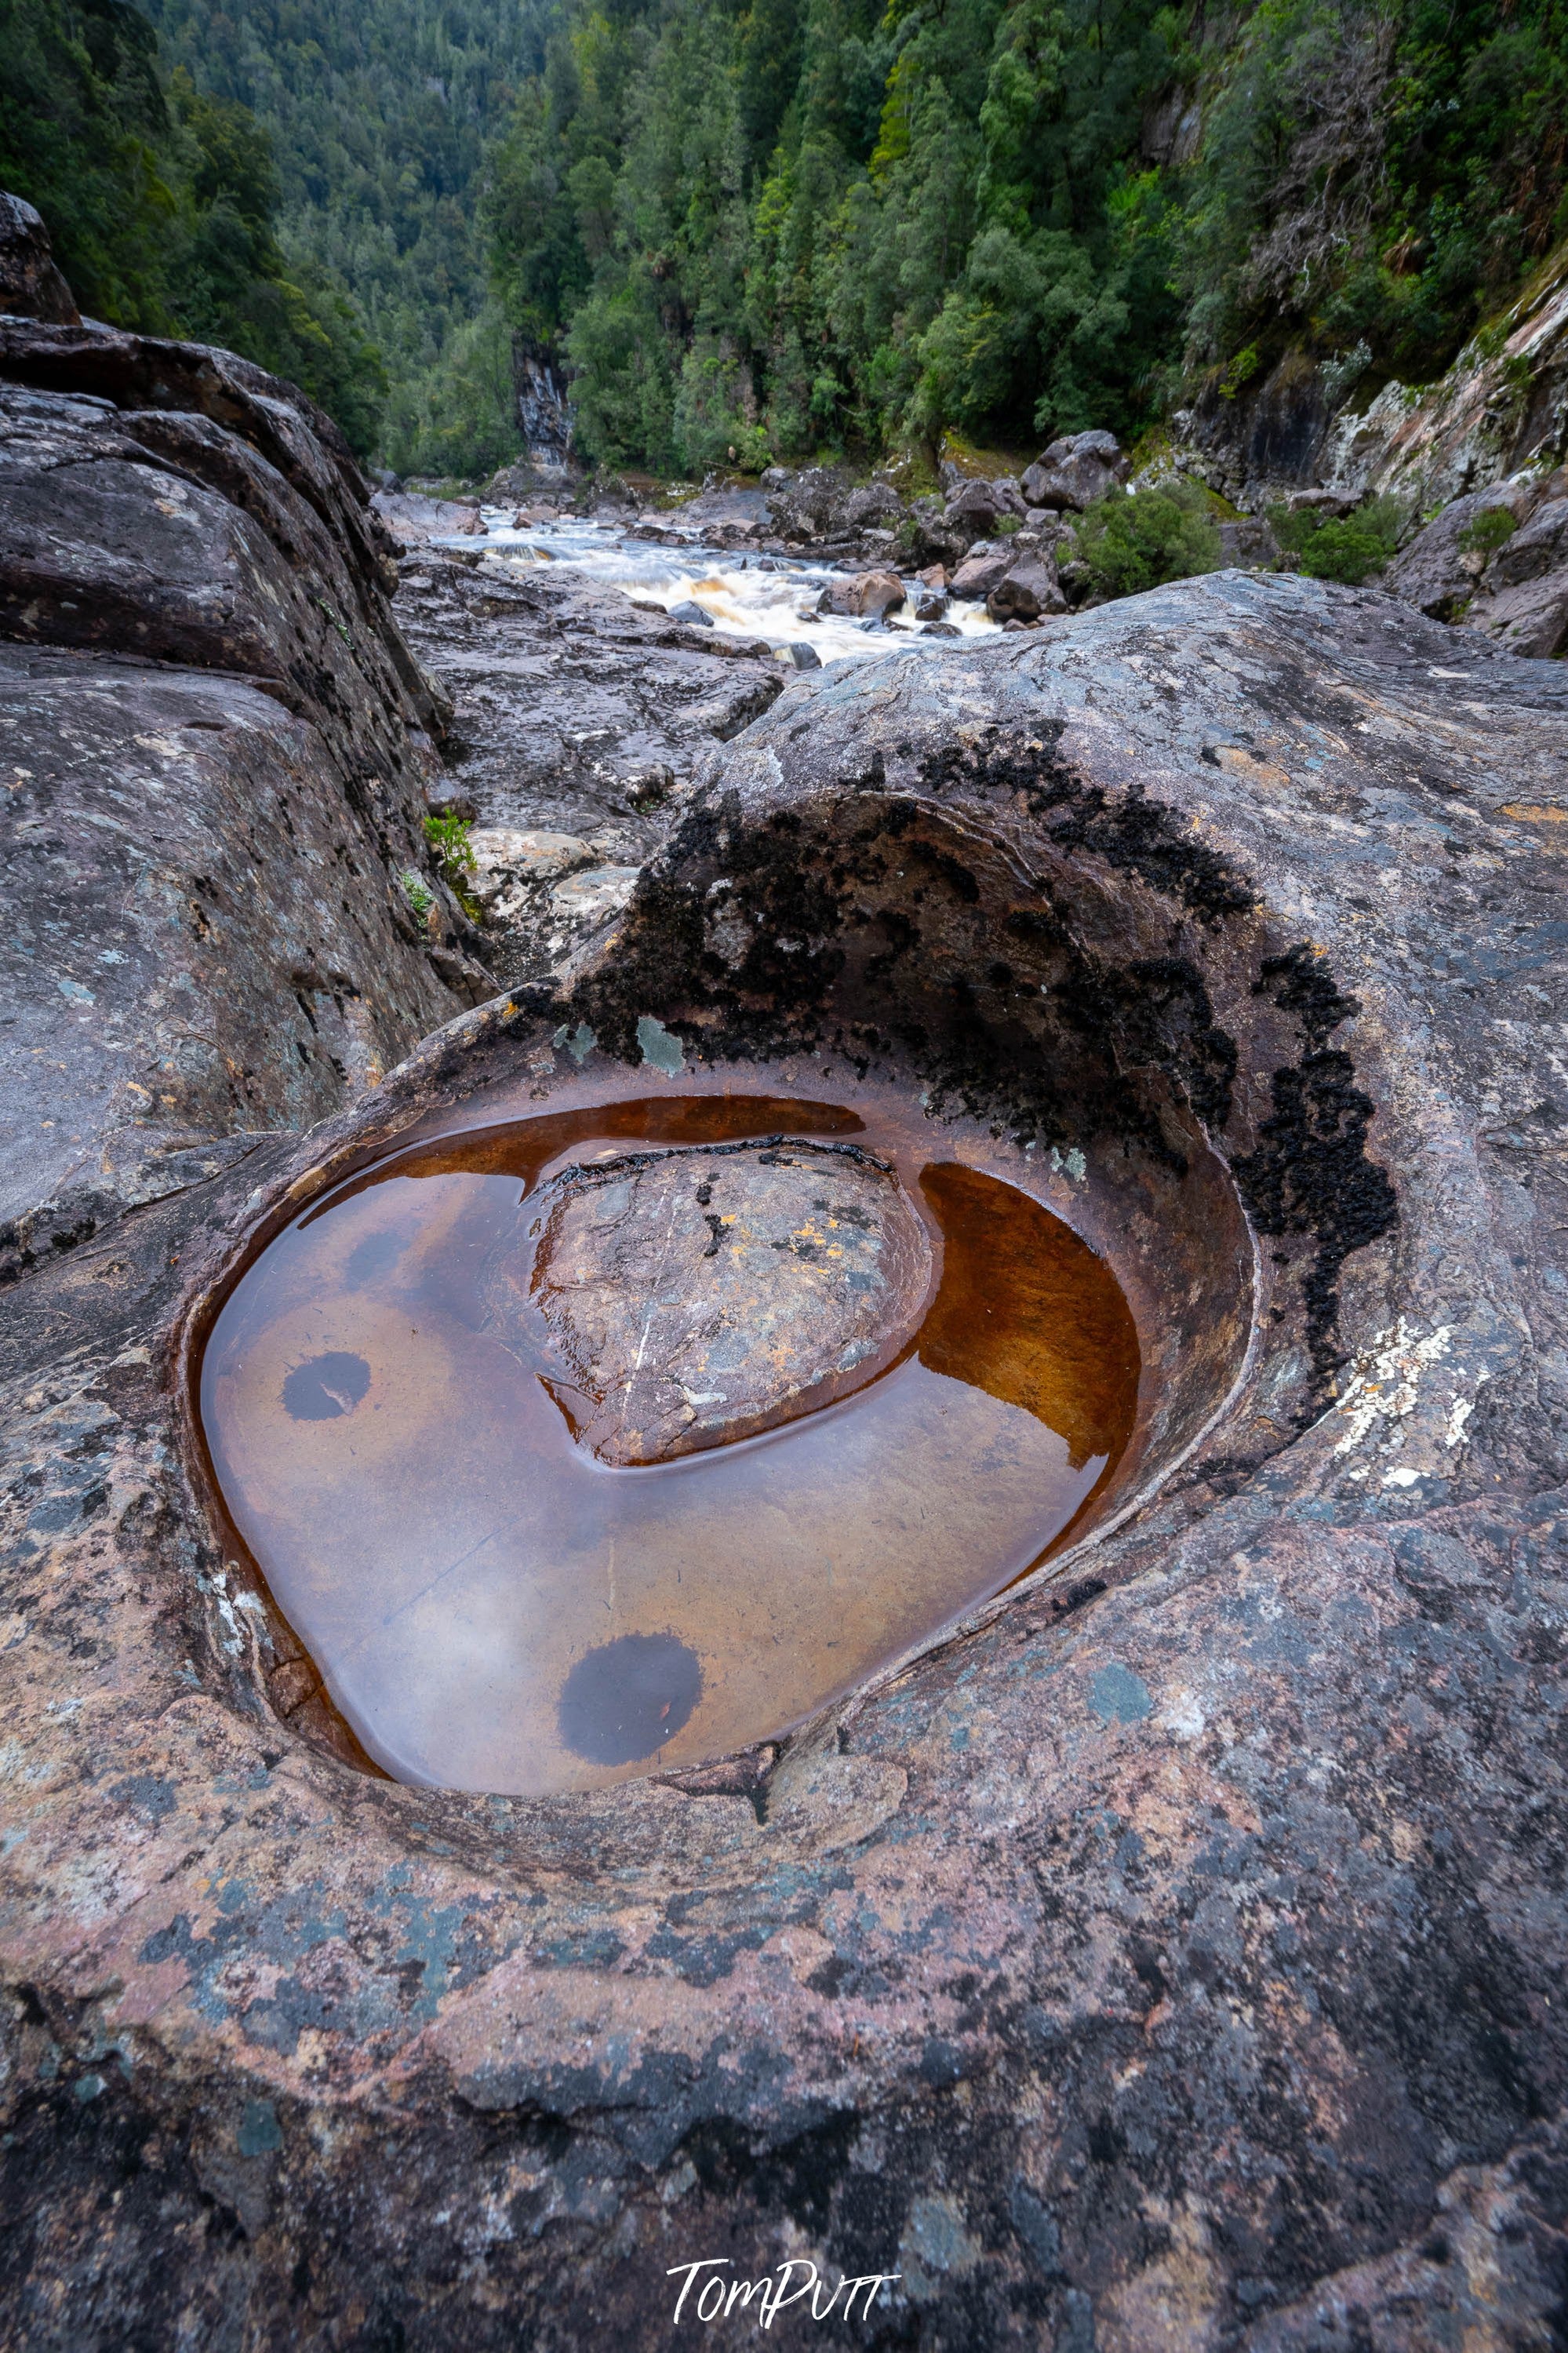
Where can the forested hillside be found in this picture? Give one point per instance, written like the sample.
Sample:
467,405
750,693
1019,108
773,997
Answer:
378,112
802,223
163,204
296,178
790,226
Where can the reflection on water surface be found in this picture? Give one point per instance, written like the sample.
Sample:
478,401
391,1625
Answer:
625,1435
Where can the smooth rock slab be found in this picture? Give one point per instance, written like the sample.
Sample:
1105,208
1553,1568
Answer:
1178,1954
201,939
695,1296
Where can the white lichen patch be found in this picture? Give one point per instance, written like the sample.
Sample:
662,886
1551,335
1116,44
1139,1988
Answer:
1385,1383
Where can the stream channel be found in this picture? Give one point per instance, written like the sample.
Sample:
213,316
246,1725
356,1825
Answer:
769,598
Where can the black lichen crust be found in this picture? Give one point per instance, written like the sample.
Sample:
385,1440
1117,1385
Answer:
1310,1174
864,922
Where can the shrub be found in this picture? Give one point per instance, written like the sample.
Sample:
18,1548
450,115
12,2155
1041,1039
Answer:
1349,549
1488,532
1345,551
1129,541
448,837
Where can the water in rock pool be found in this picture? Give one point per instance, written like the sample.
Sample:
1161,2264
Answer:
619,1438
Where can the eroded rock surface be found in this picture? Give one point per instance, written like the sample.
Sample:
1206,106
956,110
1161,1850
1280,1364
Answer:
577,714
203,942
215,747
1173,1958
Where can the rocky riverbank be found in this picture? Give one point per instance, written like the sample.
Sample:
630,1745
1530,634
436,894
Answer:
1172,1955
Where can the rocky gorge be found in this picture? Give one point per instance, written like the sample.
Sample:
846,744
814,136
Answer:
1170,1955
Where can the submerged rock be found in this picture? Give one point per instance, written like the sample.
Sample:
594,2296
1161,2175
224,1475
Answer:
698,1296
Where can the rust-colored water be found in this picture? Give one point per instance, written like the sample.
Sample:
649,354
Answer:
495,1607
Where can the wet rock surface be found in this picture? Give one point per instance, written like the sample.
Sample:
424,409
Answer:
698,1296
215,745
1173,1958
575,713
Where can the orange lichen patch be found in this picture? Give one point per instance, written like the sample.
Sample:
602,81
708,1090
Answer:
1238,762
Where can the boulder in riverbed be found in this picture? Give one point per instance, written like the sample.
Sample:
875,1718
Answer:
1075,471
864,596
980,505
979,574
1026,592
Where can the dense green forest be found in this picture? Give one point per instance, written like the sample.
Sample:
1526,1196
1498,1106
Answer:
295,178
162,203
778,226
378,113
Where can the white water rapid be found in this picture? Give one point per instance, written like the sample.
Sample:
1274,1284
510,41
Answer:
773,597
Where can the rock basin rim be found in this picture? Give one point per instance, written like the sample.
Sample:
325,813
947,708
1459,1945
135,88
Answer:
1174,1957
607,1089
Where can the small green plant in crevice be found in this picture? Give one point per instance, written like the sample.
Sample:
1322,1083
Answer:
1133,540
1349,548
1242,368
448,837
1487,532
417,892
1007,527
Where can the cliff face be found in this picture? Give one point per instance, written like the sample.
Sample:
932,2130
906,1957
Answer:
1476,459
216,745
1500,410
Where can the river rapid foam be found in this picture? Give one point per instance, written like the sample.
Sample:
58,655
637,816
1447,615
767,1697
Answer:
771,597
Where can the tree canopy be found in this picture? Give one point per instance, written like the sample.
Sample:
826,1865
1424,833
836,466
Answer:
783,227
772,226
162,202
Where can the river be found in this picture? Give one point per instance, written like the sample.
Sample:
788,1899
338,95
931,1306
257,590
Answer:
768,598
